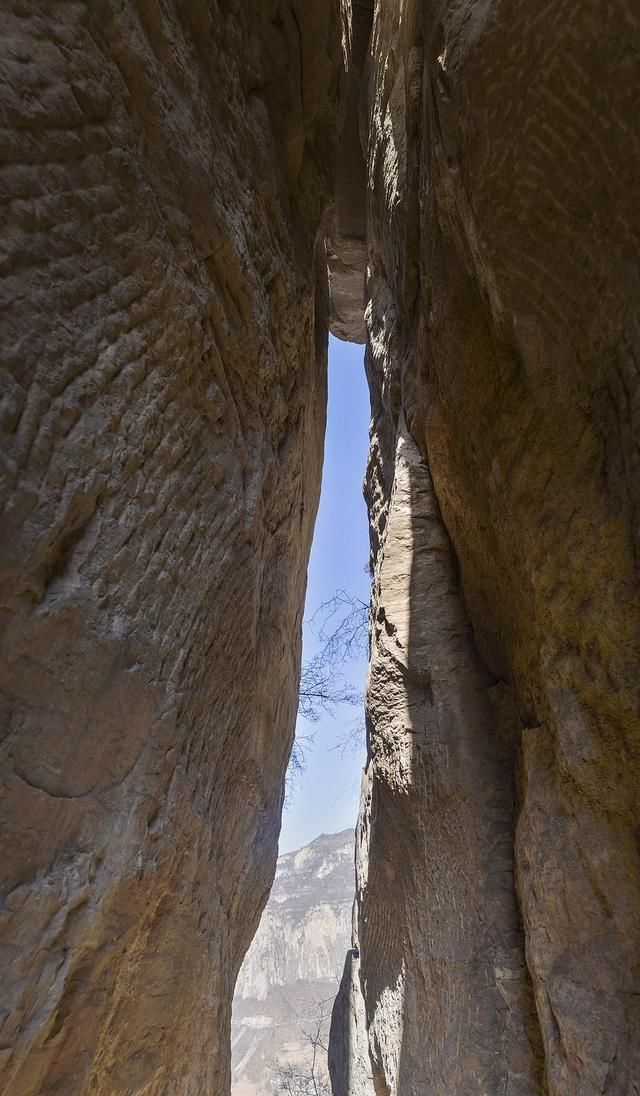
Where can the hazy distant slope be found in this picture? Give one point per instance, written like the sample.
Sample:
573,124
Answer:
294,961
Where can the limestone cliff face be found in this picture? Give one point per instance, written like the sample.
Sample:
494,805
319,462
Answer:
499,883
307,921
165,171
292,969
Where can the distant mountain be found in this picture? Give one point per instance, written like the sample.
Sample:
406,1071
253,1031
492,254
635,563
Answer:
294,963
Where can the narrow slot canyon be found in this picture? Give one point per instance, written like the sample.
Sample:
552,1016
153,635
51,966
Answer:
195,195
291,974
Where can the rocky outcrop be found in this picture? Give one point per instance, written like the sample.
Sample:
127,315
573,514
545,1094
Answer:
166,169
291,972
349,1060
439,922
499,882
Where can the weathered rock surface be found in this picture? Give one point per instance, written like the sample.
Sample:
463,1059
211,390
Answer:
165,171
349,1059
292,969
347,225
443,957
499,820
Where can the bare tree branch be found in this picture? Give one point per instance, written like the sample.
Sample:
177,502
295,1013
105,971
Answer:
322,688
351,738
341,623
294,1079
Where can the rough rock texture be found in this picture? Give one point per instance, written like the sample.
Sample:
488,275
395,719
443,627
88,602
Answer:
349,1059
443,958
500,813
347,225
165,170
293,965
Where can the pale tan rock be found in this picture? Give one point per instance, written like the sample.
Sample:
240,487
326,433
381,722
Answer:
448,997
349,1059
165,172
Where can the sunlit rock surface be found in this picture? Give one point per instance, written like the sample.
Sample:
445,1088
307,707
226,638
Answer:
294,963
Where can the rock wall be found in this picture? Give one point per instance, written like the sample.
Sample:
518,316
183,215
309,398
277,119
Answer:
165,170
349,1058
347,225
499,882
307,921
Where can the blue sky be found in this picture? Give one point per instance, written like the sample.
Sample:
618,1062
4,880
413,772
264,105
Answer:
325,798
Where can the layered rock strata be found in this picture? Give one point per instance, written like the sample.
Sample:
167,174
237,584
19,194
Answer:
166,168
499,881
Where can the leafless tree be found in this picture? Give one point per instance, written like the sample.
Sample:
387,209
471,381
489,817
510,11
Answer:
323,688
299,1081
340,624
311,1079
351,738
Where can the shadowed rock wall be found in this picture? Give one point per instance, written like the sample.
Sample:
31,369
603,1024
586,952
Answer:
348,1051
165,170
499,883
347,224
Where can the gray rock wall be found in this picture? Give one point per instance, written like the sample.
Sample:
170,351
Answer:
349,1058
165,171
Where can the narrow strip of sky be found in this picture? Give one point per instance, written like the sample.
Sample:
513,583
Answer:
325,798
